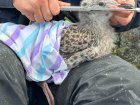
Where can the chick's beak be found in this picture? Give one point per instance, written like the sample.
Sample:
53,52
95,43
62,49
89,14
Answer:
126,6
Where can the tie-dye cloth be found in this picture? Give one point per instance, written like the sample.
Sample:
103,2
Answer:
37,45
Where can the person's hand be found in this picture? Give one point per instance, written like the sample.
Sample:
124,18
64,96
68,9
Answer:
122,17
39,10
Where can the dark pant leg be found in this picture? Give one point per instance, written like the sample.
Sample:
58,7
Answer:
13,89
105,81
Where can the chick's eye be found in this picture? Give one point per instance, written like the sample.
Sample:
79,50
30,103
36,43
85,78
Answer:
101,3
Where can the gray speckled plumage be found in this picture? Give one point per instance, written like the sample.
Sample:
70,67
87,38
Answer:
90,38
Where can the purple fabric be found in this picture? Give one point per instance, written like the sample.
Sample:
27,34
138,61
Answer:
56,47
62,75
59,33
29,69
9,42
57,63
56,77
49,80
14,36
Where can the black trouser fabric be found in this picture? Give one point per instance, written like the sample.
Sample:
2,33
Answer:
13,89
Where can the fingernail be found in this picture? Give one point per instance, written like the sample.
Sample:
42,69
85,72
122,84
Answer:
123,0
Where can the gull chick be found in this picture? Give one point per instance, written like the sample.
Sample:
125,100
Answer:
90,38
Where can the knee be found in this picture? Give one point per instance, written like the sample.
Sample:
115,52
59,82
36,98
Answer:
6,53
8,58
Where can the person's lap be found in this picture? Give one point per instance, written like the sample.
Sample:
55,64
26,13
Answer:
13,90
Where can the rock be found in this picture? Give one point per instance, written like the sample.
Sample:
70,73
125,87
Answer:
128,46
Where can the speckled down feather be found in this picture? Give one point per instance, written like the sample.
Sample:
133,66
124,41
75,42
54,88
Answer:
90,38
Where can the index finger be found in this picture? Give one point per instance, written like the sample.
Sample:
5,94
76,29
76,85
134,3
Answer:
126,1
121,1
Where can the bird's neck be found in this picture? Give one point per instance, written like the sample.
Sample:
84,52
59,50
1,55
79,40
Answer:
96,20
99,27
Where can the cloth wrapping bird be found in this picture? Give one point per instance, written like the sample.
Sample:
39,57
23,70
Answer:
37,46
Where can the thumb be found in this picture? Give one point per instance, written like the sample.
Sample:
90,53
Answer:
63,3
